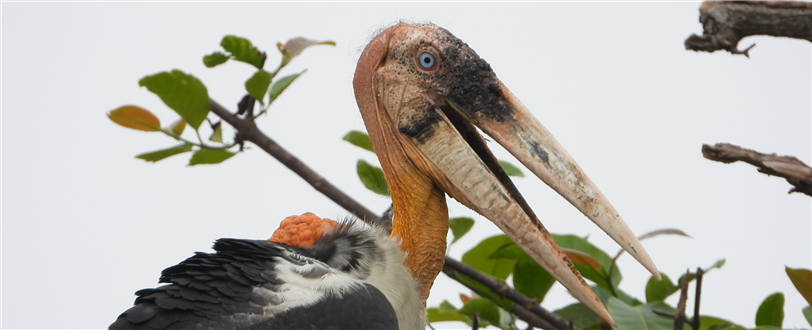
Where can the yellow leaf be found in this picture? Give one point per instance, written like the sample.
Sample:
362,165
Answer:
581,258
178,126
802,279
134,117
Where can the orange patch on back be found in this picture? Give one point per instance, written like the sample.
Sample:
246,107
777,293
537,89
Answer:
301,230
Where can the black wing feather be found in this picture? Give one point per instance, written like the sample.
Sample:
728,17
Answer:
215,291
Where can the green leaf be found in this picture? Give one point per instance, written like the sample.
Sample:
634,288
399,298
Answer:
446,312
135,117
215,59
639,317
510,169
242,50
484,291
659,290
446,306
579,257
281,84
580,315
181,92
258,84
581,244
599,276
295,46
157,155
359,139
217,134
481,257
210,156
802,279
459,226
488,311
808,314
714,323
771,311
531,279
372,177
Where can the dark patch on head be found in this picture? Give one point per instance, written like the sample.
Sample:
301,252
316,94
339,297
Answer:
469,82
540,153
423,127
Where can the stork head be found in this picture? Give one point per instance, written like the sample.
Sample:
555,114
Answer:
422,93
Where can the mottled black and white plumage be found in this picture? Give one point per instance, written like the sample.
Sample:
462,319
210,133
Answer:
353,277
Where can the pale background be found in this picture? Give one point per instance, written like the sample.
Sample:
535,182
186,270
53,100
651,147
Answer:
84,224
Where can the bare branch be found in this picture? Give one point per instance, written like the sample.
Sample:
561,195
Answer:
725,23
695,322
795,171
247,130
524,307
679,315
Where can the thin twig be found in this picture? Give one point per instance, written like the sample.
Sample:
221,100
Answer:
503,290
523,313
679,315
525,308
699,273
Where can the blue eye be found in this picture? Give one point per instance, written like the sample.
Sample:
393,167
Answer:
426,60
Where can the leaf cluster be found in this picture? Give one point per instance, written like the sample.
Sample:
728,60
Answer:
188,97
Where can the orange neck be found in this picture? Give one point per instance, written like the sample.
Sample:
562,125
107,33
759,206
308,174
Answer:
421,223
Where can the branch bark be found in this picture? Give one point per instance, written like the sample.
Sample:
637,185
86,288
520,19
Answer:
525,308
725,23
795,171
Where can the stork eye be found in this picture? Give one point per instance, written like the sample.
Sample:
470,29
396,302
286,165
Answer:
426,60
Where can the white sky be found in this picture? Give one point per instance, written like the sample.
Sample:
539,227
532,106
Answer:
84,224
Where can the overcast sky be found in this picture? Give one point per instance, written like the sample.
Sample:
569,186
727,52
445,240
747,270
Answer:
84,224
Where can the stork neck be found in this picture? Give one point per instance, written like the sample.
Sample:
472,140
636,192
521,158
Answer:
421,224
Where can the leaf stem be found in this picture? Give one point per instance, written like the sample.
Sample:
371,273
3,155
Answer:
201,144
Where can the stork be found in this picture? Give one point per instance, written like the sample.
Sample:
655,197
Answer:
422,94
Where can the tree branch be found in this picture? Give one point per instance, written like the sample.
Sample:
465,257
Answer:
725,23
699,274
795,171
524,307
535,315
679,315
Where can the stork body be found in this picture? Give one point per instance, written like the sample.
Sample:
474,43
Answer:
351,277
422,94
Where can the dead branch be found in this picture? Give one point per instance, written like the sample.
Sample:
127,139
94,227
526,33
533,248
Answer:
679,315
699,274
725,23
795,171
525,308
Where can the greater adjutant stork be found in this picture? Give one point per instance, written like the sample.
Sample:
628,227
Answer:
422,93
